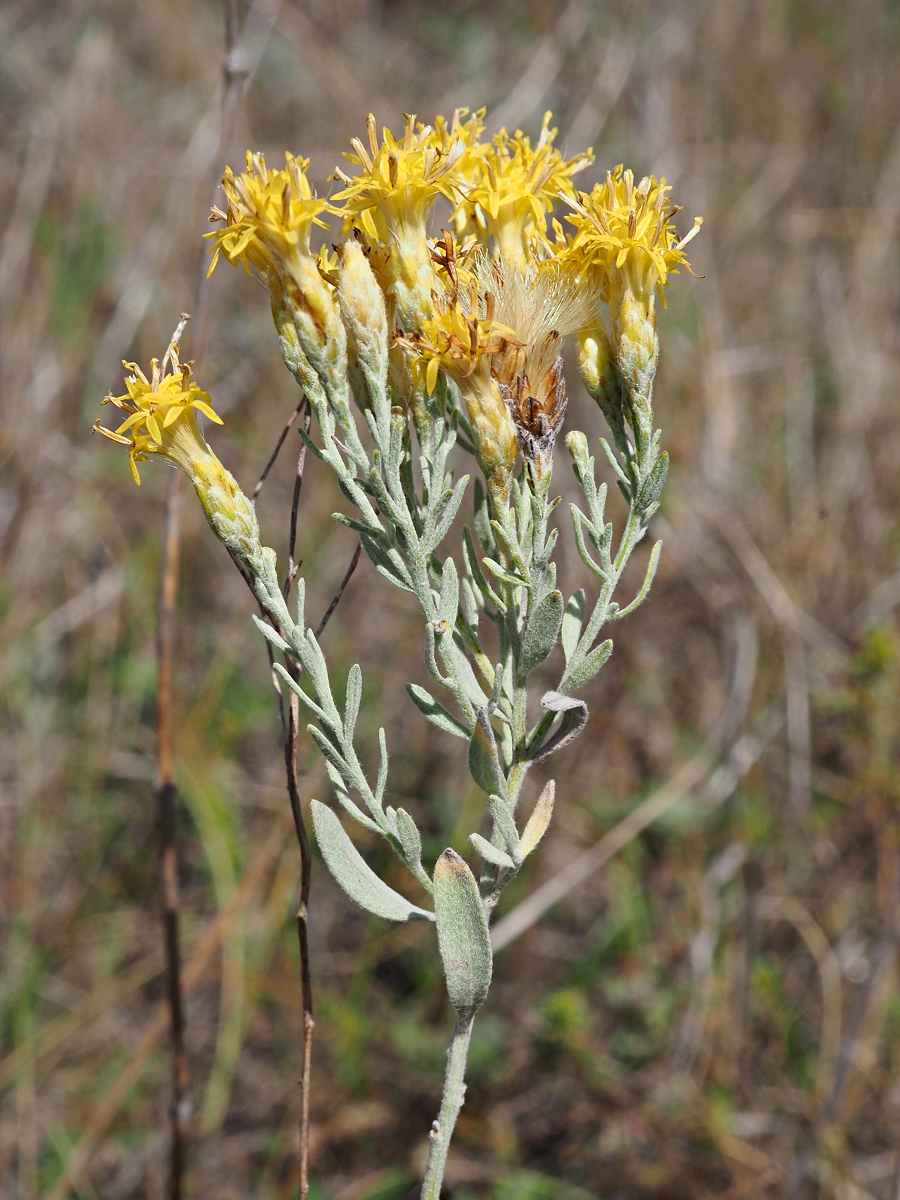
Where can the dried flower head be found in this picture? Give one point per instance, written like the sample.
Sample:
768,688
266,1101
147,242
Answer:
542,303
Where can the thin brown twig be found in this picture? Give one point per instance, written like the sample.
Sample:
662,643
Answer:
281,440
181,1107
293,567
348,575
113,1098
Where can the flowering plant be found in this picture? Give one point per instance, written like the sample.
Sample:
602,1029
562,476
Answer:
406,346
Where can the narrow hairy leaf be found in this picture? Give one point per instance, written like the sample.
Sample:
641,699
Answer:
484,758
573,619
482,517
542,631
654,483
410,839
343,798
463,936
435,712
539,819
491,854
352,698
270,634
357,879
504,821
502,573
589,666
449,592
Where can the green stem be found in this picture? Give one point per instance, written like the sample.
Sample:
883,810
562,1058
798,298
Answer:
451,1103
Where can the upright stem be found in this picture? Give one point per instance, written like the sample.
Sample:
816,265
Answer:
181,1107
451,1103
290,752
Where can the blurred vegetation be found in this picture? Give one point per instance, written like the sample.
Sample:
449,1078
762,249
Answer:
715,1012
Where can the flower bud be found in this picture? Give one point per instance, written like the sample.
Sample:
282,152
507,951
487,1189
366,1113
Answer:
364,316
597,365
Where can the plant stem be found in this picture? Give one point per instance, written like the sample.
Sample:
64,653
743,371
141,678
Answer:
181,1106
451,1103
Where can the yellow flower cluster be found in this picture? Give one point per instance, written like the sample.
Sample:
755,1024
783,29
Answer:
509,187
162,414
162,420
624,232
485,307
269,216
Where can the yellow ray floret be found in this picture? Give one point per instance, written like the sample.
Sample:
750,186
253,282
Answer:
269,215
510,186
623,228
162,414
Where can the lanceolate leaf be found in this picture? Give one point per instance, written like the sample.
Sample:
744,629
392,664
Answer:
572,621
463,936
589,666
539,820
489,853
484,758
357,879
542,631
435,712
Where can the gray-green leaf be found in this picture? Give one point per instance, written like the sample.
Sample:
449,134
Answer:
491,854
484,758
463,936
505,823
435,711
542,631
539,819
589,666
357,879
573,618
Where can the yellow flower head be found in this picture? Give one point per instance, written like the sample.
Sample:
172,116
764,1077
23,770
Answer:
624,232
461,339
389,202
162,419
399,179
463,127
511,186
162,415
269,216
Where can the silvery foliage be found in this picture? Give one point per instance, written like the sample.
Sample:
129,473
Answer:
504,577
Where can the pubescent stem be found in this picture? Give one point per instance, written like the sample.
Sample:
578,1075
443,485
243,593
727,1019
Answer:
451,1102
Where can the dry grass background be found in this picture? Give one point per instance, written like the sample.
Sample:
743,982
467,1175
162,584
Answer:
715,1012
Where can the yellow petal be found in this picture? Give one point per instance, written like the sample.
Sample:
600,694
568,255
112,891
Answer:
207,411
431,376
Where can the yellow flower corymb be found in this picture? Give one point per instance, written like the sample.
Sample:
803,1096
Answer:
162,415
269,216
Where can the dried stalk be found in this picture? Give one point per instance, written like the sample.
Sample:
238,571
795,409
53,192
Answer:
181,1105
